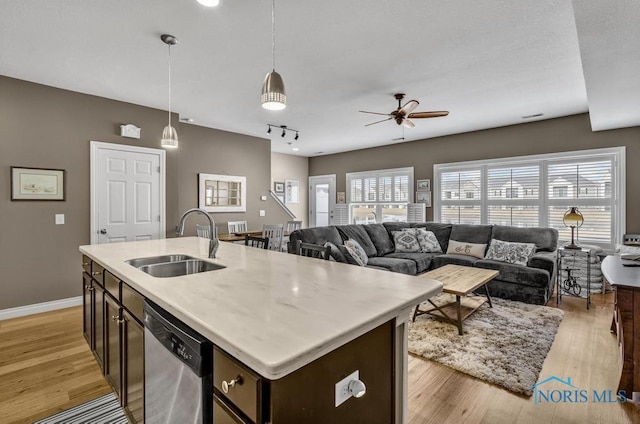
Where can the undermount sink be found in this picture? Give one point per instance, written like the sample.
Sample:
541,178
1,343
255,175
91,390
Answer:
178,268
157,260
172,265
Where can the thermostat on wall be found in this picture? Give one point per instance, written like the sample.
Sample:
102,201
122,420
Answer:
130,131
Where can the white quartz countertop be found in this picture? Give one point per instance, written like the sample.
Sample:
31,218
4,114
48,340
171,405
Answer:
273,311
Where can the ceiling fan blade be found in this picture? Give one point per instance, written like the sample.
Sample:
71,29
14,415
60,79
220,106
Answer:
408,123
374,113
432,114
377,122
410,106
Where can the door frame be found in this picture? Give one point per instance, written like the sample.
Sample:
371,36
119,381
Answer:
312,197
95,146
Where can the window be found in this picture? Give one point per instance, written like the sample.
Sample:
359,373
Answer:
379,196
536,191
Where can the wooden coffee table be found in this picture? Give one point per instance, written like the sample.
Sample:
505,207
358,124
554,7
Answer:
460,281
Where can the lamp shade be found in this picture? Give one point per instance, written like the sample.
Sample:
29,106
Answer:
573,218
169,137
273,94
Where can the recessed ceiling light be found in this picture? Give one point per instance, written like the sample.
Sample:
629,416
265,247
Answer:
295,149
209,3
536,115
187,120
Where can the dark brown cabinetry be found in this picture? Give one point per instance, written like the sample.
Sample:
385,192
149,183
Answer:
112,325
626,324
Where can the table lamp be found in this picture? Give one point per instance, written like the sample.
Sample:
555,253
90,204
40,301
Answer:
573,219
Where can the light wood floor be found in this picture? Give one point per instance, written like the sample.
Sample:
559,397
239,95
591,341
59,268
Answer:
46,366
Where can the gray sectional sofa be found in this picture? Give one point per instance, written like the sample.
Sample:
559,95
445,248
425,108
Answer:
531,283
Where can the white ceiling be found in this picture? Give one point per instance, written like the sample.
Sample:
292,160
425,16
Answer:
489,63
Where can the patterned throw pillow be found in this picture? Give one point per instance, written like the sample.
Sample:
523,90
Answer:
356,251
336,254
469,249
428,241
406,241
511,252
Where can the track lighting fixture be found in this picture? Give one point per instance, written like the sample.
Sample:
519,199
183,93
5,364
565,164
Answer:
284,131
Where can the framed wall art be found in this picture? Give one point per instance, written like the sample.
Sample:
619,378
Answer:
292,191
424,197
222,193
278,187
37,184
341,198
423,185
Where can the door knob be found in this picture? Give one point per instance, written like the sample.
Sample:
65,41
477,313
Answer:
103,231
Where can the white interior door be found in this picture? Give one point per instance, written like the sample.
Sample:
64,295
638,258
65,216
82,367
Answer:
127,193
322,200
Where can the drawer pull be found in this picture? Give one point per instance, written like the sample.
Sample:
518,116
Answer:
226,385
86,263
96,273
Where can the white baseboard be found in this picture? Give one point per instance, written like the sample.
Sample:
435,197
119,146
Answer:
37,308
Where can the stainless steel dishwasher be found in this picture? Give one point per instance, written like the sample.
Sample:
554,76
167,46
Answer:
178,370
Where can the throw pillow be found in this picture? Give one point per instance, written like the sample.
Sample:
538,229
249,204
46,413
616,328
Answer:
356,251
347,256
406,241
428,241
336,254
511,252
469,249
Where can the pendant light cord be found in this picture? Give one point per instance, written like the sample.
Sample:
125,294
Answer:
169,45
273,33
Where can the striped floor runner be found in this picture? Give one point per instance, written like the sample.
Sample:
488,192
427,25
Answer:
103,410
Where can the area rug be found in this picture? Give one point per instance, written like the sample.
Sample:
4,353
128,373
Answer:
103,410
505,345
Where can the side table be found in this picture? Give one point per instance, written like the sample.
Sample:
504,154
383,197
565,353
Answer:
568,285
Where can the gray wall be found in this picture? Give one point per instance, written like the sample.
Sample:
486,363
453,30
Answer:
47,127
548,136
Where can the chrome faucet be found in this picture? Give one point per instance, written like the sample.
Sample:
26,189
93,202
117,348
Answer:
214,243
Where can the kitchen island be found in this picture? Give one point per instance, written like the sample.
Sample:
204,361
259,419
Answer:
276,313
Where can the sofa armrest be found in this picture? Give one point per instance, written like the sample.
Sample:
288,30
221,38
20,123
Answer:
545,261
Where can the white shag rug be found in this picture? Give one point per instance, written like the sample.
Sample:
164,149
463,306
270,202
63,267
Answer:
505,345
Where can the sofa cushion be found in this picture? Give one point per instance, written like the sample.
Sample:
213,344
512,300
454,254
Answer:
517,274
546,239
422,260
358,233
356,251
511,252
480,234
335,253
441,260
395,226
380,238
406,242
442,232
316,235
470,249
428,241
404,266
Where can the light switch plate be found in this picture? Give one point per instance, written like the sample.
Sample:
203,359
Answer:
342,387
59,219
263,197
263,212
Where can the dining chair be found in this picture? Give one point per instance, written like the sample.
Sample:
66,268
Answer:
313,250
290,226
236,226
274,232
255,241
204,231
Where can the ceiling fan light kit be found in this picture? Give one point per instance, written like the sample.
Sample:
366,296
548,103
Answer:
169,134
273,93
403,114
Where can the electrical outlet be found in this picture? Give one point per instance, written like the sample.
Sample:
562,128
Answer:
59,219
342,387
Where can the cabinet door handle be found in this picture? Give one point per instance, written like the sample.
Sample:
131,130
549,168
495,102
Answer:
96,273
226,385
86,263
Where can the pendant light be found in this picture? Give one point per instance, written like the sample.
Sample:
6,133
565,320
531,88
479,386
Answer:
273,94
169,134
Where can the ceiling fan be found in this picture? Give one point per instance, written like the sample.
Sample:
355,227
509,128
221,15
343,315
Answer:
404,114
